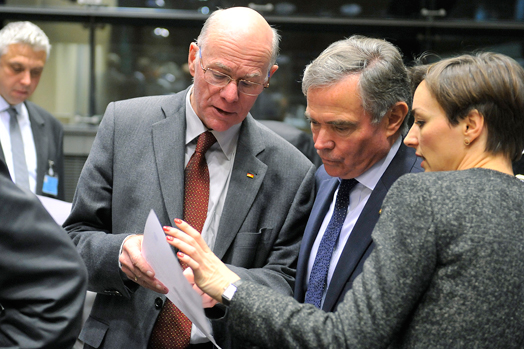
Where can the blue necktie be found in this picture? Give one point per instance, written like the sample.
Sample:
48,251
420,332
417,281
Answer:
17,149
319,272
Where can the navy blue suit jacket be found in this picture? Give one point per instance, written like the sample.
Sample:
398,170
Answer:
359,244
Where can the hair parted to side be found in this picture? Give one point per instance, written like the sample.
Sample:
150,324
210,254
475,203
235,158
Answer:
383,79
212,20
24,33
491,83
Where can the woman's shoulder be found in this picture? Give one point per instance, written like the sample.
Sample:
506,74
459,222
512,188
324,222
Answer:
433,185
461,178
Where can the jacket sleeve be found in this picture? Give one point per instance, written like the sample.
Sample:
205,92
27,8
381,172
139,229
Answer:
90,221
394,276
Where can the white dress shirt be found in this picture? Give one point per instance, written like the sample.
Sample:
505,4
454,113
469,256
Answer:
27,137
357,201
220,158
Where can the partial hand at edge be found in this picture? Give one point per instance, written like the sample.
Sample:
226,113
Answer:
210,274
136,267
207,301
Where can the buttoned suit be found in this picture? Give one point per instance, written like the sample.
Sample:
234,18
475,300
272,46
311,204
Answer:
48,135
137,164
359,245
42,279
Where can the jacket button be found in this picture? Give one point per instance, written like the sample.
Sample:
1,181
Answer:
158,303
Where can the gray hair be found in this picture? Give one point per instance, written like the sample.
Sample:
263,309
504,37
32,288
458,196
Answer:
214,18
383,79
24,33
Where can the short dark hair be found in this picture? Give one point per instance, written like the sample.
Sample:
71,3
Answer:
417,73
491,83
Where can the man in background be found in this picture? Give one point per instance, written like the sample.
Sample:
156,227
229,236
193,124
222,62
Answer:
31,139
358,95
250,196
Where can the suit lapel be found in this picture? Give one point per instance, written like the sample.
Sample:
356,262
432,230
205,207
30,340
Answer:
404,162
318,213
169,148
355,247
40,139
242,189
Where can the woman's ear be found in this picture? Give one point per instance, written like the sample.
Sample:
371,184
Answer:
473,125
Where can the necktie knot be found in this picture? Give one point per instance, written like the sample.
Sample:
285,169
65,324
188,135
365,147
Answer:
12,112
205,141
345,187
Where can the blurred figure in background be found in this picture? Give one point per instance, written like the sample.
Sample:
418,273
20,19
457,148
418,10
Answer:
31,138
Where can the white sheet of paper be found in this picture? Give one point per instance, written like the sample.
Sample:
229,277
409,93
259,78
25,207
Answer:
58,209
158,253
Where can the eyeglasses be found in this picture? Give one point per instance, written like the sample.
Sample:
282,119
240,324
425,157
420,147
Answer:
217,78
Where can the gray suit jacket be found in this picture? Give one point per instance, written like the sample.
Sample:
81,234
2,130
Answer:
137,164
446,272
42,278
48,135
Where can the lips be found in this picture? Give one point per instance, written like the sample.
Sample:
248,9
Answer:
328,161
224,112
422,163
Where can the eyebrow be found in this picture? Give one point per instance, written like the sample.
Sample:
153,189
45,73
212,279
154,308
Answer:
342,123
228,70
414,112
334,122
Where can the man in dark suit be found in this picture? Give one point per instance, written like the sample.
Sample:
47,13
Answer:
261,188
38,163
358,96
43,279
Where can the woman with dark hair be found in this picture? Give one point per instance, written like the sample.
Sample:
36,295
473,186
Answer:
448,268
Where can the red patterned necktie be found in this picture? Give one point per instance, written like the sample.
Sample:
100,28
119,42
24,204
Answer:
173,329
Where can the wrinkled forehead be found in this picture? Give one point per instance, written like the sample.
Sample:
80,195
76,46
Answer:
24,51
233,54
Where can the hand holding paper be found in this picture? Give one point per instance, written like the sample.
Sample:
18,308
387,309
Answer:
161,258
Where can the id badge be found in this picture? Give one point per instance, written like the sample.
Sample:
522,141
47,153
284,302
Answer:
50,186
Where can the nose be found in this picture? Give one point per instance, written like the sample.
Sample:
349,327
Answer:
411,139
230,92
26,78
322,140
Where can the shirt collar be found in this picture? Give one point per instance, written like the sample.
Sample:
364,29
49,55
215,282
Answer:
23,115
371,177
4,105
194,127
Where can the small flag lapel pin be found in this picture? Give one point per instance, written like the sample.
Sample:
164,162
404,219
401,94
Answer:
250,175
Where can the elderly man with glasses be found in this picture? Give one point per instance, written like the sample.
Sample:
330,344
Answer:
197,155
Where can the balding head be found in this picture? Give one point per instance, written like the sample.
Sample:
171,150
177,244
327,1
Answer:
241,24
